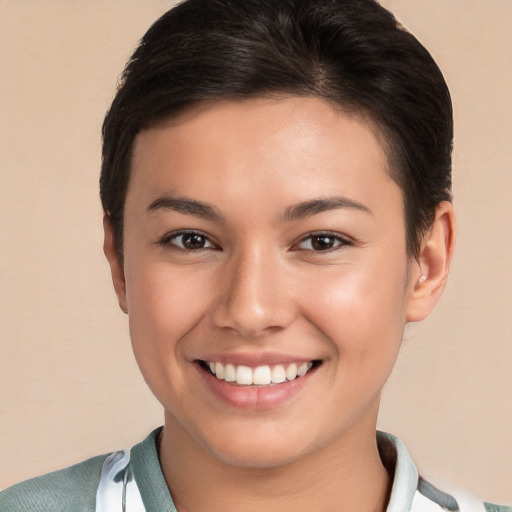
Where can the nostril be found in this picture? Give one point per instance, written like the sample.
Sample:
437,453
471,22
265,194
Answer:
252,318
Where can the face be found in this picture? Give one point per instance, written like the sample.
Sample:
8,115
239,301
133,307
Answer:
265,276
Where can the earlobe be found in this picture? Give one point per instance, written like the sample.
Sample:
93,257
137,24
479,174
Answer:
429,272
116,267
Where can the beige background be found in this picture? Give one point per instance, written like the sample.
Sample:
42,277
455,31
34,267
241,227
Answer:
69,386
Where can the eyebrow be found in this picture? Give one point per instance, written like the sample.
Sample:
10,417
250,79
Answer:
187,207
309,208
295,212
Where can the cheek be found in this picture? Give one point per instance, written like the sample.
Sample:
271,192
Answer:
163,306
360,310
363,324
161,297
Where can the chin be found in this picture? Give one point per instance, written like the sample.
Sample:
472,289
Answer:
266,448
257,456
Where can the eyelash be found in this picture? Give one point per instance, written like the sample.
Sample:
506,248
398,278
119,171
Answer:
338,241
170,240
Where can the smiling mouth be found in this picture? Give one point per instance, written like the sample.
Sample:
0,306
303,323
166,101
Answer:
261,375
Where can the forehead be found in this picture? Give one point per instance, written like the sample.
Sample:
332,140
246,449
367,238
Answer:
299,146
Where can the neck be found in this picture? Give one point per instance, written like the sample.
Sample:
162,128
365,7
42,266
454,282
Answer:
345,475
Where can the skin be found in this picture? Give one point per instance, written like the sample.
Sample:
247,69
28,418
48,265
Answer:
259,286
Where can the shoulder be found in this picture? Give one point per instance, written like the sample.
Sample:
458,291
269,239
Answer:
428,497
490,507
413,493
72,488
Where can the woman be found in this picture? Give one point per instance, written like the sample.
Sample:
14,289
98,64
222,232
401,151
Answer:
276,187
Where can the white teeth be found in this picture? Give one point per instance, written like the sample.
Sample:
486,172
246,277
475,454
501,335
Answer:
219,370
278,374
303,369
243,375
291,371
230,373
259,376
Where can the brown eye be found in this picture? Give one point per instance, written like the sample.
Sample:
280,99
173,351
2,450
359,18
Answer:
190,241
322,242
193,241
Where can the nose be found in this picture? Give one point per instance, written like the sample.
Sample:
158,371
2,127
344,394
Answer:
255,298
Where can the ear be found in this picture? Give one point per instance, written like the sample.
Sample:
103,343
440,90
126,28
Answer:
429,271
116,267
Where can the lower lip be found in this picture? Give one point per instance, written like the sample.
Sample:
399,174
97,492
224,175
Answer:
252,397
